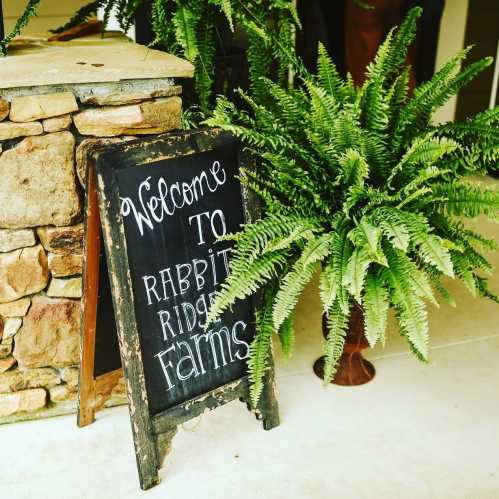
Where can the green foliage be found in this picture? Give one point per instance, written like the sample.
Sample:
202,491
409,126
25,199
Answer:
260,348
375,303
28,13
359,182
337,323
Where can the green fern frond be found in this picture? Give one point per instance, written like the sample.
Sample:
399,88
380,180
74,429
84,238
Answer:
245,282
410,309
423,150
435,277
29,12
366,235
328,75
337,323
205,63
333,272
260,350
185,20
356,271
483,289
393,227
375,304
355,167
460,198
432,251
287,335
464,271
300,275
226,8
402,40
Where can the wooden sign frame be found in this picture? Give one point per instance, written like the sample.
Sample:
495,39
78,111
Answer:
152,434
93,390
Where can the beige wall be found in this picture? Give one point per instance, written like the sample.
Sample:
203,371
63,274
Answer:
451,40
51,14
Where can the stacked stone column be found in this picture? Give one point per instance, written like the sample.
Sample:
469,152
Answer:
43,137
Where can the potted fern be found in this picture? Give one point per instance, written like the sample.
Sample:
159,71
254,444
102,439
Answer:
359,183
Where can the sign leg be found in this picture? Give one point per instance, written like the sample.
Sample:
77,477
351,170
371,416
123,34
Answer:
164,444
268,406
86,392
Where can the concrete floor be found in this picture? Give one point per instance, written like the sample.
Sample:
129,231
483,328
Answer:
415,431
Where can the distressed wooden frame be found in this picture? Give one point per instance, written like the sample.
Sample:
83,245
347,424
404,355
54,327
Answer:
92,391
152,434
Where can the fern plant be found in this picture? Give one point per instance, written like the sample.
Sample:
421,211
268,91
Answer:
359,184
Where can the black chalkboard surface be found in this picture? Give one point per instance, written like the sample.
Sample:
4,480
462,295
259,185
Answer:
107,352
173,211
163,203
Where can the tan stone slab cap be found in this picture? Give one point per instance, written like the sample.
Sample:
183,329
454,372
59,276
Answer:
35,107
44,63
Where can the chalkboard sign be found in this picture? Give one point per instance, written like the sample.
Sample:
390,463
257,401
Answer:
164,202
173,211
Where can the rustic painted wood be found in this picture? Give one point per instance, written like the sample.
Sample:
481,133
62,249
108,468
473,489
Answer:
145,450
153,433
86,383
93,391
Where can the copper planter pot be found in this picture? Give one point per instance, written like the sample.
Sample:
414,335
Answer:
353,369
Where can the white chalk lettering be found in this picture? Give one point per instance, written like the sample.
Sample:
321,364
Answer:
164,319
238,341
164,367
165,200
198,275
190,358
218,335
146,279
200,229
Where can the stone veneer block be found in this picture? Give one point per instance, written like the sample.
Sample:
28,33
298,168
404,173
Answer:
23,401
38,182
57,124
62,240
22,272
9,130
36,107
148,117
6,364
4,109
11,327
65,265
6,348
126,98
17,379
70,375
15,239
65,288
18,308
62,393
50,334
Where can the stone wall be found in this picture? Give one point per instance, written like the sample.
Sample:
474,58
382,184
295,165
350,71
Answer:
43,135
